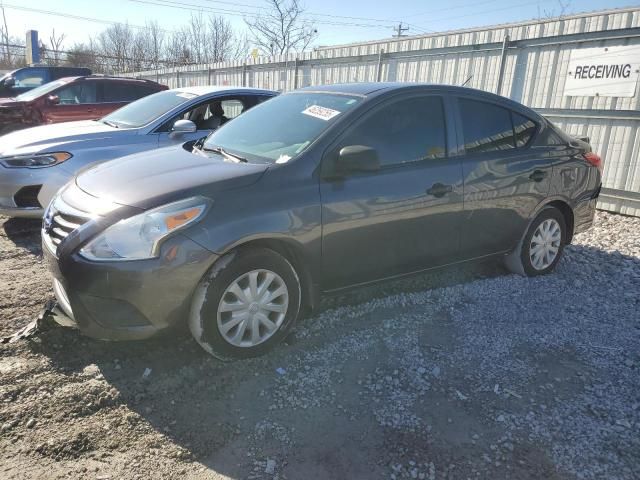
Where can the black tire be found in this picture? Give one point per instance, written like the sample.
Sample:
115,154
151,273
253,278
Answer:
203,318
549,213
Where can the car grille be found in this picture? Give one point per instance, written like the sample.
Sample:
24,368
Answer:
60,220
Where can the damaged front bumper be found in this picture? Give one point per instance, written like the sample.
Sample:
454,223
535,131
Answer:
129,300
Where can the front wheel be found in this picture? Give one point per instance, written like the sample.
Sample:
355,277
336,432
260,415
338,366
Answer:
246,304
543,244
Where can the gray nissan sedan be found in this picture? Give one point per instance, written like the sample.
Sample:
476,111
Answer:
315,191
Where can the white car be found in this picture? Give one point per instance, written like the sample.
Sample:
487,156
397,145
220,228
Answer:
36,162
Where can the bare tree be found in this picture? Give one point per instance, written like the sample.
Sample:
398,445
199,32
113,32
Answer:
221,40
115,44
177,49
81,55
56,46
563,7
6,39
282,28
156,44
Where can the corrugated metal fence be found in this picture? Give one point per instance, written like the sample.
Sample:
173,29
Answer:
527,62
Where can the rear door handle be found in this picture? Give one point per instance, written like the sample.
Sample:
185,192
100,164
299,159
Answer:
439,190
538,176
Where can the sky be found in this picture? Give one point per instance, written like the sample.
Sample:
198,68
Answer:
337,21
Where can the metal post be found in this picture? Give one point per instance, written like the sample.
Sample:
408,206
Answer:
379,67
209,76
503,63
244,74
177,78
295,74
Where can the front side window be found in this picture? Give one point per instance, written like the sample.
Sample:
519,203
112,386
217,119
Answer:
487,127
77,94
281,129
403,131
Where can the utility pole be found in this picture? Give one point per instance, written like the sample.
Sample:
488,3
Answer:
399,30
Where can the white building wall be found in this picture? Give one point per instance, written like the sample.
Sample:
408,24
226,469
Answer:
536,65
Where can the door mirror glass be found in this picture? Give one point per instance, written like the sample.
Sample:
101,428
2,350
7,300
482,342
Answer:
357,158
53,99
183,126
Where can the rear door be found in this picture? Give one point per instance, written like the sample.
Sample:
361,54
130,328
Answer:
114,94
505,178
404,217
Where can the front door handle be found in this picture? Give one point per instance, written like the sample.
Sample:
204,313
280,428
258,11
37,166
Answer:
439,190
538,175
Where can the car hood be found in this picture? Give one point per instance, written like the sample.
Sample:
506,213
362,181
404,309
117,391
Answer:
151,178
47,138
10,102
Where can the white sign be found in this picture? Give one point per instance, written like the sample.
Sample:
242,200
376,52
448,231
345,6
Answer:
323,113
603,72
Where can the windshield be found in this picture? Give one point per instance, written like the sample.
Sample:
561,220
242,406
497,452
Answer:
147,109
282,128
40,91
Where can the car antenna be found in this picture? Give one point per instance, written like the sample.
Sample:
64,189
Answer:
467,80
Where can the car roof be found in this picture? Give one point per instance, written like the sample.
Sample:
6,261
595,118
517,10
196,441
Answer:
370,89
205,90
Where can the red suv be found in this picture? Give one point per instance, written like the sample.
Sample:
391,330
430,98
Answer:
72,98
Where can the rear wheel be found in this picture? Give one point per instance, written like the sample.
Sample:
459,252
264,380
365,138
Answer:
246,304
544,242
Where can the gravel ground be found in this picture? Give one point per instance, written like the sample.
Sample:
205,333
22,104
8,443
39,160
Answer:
463,373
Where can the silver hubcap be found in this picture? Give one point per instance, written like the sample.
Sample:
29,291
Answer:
253,308
545,244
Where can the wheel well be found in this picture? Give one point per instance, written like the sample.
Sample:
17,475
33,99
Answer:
294,255
567,213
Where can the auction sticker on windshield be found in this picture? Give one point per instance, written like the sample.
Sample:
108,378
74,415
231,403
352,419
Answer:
323,113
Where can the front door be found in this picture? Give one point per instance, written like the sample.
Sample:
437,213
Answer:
75,102
404,217
207,115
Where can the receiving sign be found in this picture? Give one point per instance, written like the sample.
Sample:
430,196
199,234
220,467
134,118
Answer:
603,72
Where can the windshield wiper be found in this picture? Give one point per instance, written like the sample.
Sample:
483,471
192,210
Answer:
111,124
224,153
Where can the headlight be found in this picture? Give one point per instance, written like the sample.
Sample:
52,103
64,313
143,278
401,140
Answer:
139,237
38,160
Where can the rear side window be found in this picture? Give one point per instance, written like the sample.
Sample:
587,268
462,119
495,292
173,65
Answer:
523,129
123,92
403,131
487,127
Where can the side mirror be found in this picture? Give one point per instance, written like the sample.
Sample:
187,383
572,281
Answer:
357,158
9,82
183,126
53,99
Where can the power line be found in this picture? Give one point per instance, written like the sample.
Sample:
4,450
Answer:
74,17
239,13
